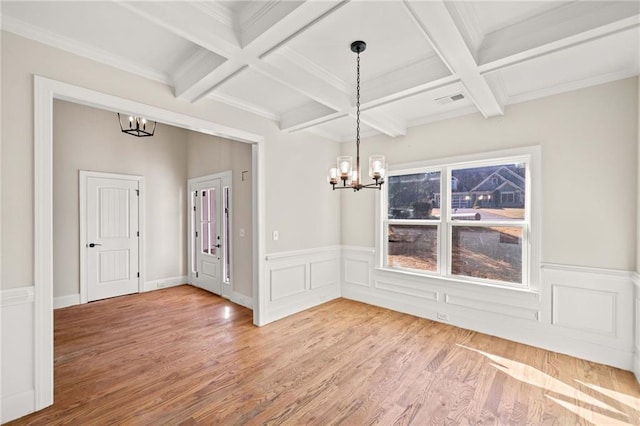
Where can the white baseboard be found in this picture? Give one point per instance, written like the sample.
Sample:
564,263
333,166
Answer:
74,299
16,406
242,300
66,301
165,282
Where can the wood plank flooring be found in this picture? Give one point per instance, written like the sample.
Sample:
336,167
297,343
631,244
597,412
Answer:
181,356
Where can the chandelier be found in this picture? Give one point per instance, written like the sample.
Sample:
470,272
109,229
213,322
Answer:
137,126
343,170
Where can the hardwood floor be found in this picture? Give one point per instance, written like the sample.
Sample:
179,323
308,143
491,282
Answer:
182,356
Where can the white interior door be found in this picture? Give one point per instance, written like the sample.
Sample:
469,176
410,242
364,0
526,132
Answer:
112,236
207,241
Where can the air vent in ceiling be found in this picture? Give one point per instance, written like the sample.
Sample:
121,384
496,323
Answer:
451,98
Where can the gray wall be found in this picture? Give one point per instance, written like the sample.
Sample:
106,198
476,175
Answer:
86,138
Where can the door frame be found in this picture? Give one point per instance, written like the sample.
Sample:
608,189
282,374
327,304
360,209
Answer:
45,90
83,176
225,180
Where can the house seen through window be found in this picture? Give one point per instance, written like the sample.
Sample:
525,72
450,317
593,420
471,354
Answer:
472,225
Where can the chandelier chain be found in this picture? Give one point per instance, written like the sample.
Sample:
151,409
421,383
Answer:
358,102
358,177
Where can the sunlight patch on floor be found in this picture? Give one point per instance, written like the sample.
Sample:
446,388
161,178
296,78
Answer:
629,400
535,377
591,416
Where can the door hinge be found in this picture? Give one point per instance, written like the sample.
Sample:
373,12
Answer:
138,274
137,233
196,274
138,192
194,208
196,234
204,193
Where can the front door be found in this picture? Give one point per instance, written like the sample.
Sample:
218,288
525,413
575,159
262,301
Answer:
207,244
112,235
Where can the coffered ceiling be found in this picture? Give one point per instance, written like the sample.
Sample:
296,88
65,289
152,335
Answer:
290,61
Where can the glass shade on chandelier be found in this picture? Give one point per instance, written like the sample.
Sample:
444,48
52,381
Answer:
136,126
344,174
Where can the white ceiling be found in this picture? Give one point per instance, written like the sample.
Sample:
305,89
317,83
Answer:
290,61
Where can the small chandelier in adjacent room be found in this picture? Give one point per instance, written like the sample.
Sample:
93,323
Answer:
343,170
136,126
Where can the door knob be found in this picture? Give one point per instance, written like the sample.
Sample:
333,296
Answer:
93,245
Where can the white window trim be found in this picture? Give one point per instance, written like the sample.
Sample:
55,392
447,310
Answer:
531,241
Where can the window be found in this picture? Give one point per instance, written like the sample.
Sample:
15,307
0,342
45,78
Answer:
466,220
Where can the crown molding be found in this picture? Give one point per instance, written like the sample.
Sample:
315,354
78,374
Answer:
32,32
215,10
574,85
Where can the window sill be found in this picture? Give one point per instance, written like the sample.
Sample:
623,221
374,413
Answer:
460,283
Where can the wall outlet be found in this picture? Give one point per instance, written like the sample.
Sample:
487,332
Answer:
443,316
275,235
242,232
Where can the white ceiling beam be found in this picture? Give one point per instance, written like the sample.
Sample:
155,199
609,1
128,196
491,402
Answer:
577,22
437,25
208,80
534,52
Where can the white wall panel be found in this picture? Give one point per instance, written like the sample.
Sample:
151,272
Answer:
17,378
357,265
584,309
287,281
492,307
323,273
301,279
406,288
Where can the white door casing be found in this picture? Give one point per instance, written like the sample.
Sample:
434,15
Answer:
110,247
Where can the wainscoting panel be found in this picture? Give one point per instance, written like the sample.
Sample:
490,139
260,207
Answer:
301,279
584,309
286,281
323,273
584,312
493,308
357,264
18,392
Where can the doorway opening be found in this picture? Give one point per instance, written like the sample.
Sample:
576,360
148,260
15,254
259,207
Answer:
45,91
